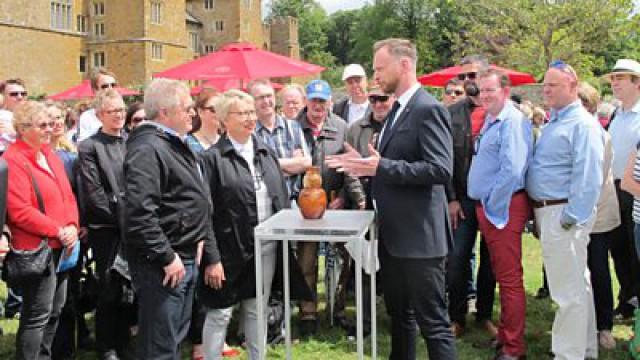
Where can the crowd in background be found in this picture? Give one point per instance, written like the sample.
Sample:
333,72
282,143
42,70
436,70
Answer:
162,197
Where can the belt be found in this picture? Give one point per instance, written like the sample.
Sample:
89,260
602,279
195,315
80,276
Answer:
542,203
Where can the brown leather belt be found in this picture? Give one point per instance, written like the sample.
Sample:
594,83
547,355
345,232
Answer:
542,203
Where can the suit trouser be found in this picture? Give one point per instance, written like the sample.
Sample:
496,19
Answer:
505,249
598,261
217,320
573,335
623,251
414,292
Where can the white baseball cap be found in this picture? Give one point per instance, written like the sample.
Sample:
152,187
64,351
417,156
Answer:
353,70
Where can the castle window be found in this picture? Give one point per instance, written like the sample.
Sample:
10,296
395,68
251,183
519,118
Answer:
209,4
156,13
82,64
194,41
61,14
156,51
209,48
98,30
98,8
81,23
98,59
219,25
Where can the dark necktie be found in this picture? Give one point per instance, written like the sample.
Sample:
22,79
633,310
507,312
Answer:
388,124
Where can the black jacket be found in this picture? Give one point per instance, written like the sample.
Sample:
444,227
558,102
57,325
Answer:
462,147
167,202
416,163
234,218
101,161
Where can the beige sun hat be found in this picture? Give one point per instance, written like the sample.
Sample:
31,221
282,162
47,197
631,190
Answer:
624,66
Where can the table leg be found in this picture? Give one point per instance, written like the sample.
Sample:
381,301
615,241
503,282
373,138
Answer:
259,300
287,298
373,242
358,270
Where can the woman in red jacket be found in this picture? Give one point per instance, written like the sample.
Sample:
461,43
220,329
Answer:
29,158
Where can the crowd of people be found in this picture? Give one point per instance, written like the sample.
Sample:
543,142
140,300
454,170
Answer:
162,198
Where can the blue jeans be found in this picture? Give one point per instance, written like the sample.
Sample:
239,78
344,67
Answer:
164,313
459,272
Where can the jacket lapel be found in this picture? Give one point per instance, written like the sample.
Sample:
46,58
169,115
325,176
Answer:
401,118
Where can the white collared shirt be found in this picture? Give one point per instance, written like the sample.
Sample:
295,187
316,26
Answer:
356,111
625,135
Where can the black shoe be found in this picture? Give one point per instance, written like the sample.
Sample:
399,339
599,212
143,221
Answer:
308,327
624,312
543,293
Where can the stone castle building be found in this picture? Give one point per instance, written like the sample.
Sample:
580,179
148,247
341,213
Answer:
53,44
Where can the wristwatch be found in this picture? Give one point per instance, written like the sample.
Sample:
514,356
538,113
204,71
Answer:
566,226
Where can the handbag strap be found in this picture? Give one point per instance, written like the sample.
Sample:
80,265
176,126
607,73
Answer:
36,189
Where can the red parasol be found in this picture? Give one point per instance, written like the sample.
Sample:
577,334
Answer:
439,78
83,90
224,85
241,61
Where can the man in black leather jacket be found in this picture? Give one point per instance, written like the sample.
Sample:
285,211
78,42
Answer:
168,213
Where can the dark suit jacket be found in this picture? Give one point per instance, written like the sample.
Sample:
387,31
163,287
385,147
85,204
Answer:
409,186
341,108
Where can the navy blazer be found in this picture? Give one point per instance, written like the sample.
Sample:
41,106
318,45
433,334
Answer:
409,186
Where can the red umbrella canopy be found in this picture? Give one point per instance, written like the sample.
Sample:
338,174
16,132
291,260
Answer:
439,78
83,90
242,61
224,85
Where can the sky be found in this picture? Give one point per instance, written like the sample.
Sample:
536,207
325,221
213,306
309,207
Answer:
332,6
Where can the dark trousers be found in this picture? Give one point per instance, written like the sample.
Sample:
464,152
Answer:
164,313
112,323
459,271
198,315
598,262
414,292
42,304
347,275
623,252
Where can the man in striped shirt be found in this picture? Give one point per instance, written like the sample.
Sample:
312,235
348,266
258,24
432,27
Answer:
285,137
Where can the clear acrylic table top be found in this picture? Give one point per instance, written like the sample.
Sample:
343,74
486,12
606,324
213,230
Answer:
335,226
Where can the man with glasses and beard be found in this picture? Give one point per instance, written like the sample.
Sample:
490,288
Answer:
467,118
89,123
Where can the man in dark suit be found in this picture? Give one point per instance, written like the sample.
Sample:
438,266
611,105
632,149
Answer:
412,163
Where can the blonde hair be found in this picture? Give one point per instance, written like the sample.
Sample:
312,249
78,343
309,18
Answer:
24,114
398,48
103,96
228,99
589,96
61,143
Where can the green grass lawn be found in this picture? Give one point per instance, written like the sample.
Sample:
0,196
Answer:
332,344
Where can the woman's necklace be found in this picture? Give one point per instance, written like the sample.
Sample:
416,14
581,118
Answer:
210,142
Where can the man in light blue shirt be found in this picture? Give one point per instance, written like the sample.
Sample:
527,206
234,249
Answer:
496,181
564,181
625,135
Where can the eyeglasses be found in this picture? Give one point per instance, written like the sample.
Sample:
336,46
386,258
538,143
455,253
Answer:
250,113
137,119
211,109
452,91
109,85
41,126
378,98
564,67
115,111
18,93
467,75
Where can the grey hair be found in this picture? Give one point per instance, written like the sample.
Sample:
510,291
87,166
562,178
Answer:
229,98
475,59
264,82
103,96
294,87
162,94
398,48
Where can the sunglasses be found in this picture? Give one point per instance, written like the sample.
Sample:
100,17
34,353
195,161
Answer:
564,67
137,119
109,85
18,93
456,92
378,98
467,76
41,126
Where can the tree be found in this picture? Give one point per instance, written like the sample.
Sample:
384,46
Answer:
312,25
529,34
340,34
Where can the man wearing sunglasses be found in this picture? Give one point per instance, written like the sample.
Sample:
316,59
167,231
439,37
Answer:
14,94
355,105
89,124
467,118
453,91
564,182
